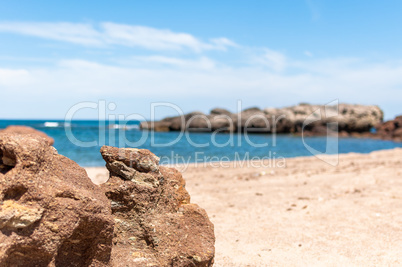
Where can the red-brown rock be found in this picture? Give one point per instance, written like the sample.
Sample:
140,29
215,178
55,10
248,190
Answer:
391,130
51,214
155,223
19,129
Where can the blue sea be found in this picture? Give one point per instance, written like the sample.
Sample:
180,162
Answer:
81,141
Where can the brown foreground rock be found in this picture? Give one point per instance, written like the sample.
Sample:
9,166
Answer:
306,213
155,223
51,214
19,129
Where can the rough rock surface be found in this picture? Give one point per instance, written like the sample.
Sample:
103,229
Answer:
155,223
390,130
19,129
51,214
349,119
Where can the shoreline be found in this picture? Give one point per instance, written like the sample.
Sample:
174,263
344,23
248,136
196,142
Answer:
308,213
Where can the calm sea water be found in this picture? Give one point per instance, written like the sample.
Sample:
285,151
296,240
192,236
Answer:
190,147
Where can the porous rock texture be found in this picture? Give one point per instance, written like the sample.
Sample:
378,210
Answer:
20,129
155,224
51,214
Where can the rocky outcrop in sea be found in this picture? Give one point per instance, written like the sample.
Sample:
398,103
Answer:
309,119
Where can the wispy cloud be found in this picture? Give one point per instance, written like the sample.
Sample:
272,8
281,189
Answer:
108,33
164,61
77,33
272,59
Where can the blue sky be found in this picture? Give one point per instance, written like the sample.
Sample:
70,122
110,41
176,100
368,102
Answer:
197,55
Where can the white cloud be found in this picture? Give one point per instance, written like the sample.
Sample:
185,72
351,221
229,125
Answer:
150,38
365,83
109,33
14,77
272,59
200,63
77,33
223,43
203,88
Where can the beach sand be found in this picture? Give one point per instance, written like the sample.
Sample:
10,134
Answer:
306,214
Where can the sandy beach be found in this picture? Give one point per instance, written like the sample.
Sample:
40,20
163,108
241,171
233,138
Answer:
305,214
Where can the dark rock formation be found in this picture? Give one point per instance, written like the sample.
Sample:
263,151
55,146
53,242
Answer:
184,122
390,130
253,120
220,111
155,223
311,119
17,129
51,214
252,109
157,126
